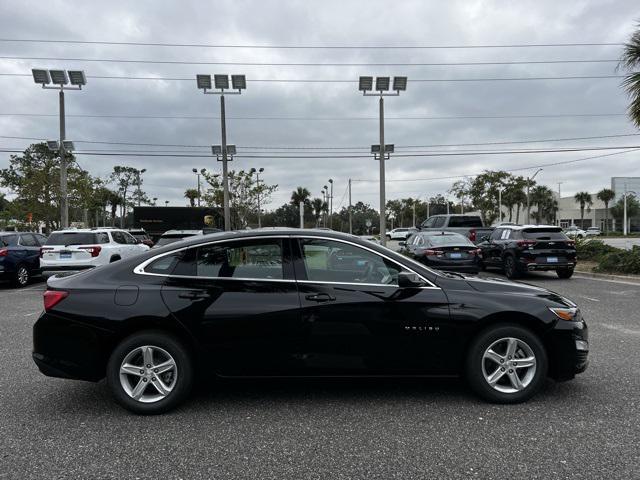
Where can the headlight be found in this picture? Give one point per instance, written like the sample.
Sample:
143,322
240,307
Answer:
565,313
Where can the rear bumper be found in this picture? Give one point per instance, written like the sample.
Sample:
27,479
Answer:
49,271
548,266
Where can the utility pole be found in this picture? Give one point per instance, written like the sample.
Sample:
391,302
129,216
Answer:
624,215
500,205
64,205
350,219
559,197
225,176
414,213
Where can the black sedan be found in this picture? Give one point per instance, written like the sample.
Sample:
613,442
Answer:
304,303
445,251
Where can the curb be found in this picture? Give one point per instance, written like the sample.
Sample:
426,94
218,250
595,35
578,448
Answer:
605,276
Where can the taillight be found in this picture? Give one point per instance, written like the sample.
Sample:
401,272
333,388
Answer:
94,250
526,243
472,234
4,252
43,250
432,253
53,297
571,243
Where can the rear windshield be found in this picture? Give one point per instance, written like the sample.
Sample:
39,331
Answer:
166,240
544,234
8,240
71,238
448,240
465,221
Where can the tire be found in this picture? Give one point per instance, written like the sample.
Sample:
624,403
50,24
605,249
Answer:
138,380
480,368
115,258
22,276
564,272
510,267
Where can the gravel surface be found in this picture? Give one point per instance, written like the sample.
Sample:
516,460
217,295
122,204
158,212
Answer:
370,429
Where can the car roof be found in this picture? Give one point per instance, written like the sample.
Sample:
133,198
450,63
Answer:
528,227
182,232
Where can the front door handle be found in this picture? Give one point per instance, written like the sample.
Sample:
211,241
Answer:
320,297
194,295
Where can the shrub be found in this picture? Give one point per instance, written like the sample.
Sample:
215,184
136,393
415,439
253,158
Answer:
594,249
620,261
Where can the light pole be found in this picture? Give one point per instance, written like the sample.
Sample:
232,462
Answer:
331,204
166,203
155,199
529,180
559,197
382,86
350,219
500,205
258,172
325,196
221,83
61,78
625,229
195,170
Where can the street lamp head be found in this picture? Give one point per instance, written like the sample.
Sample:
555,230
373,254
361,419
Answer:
389,147
261,170
231,149
365,84
216,149
221,82
204,81
238,82
143,170
203,171
41,76
77,77
59,77
68,145
252,171
326,188
399,83
382,84
53,145
194,170
331,180
375,148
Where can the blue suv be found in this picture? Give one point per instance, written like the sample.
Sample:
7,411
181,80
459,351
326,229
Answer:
20,256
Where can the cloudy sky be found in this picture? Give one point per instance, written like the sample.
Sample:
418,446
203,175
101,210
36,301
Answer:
327,116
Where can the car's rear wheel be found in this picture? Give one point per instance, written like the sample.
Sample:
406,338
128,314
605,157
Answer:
564,272
150,373
22,276
510,267
507,364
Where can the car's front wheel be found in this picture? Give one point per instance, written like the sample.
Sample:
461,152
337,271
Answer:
506,364
150,373
22,276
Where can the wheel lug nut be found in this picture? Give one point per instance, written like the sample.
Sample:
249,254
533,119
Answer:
501,361
155,370
153,379
144,379
502,368
141,372
149,366
510,371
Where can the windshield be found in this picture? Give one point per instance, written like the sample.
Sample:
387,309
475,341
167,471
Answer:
71,238
465,221
442,240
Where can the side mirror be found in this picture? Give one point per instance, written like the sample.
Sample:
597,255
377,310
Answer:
402,244
409,280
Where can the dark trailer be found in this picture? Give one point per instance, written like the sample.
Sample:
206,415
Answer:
157,220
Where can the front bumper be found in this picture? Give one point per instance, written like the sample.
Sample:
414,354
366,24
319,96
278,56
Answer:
568,348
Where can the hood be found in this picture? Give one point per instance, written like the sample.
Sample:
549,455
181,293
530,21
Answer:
502,285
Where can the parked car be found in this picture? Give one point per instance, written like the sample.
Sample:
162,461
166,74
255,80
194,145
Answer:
519,249
73,250
593,232
445,251
400,233
172,236
471,226
575,232
295,302
141,235
370,238
20,256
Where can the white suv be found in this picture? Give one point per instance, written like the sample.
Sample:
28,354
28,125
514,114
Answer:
79,249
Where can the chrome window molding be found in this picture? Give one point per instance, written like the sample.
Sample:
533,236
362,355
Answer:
139,269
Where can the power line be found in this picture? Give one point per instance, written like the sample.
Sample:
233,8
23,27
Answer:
332,119
335,80
309,64
362,147
314,47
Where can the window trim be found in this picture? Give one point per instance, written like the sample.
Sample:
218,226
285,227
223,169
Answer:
139,269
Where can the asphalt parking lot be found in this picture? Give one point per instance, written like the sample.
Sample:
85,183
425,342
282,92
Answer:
586,428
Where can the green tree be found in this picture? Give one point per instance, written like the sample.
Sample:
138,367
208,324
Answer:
318,207
192,195
585,201
114,200
128,181
542,197
630,62
360,214
300,194
483,191
605,196
514,195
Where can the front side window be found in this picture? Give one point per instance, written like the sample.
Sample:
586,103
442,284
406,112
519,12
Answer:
497,233
333,261
439,222
428,223
119,237
251,259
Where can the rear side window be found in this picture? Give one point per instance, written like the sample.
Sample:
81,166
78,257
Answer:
71,238
544,234
9,240
28,240
259,259
119,237
102,237
438,222
467,221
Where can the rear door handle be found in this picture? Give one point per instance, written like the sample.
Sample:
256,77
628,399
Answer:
194,295
320,297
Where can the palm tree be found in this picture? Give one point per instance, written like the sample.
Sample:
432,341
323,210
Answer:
114,200
300,194
584,199
318,207
630,62
605,196
192,195
542,197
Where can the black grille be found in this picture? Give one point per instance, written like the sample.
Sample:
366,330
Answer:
581,357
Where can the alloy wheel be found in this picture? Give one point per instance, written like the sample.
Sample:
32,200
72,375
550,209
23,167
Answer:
148,374
22,276
509,365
